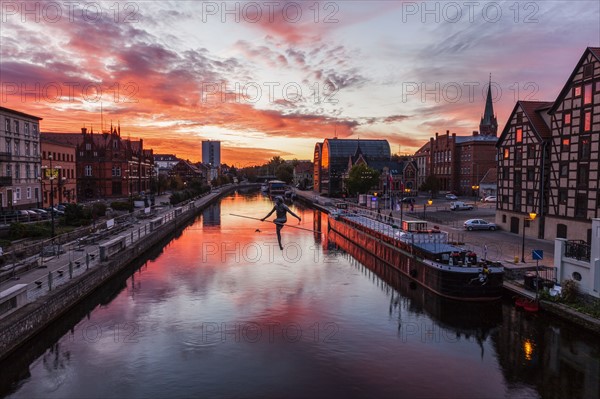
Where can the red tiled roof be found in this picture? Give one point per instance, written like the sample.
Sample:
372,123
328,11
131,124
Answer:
532,109
595,51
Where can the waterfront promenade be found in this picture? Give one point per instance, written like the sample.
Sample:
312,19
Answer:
40,295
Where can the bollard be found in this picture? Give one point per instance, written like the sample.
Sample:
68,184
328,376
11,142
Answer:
87,261
49,281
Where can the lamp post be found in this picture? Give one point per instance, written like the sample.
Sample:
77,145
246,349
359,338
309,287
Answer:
475,191
51,173
531,218
429,202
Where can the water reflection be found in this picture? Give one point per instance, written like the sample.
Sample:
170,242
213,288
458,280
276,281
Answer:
223,312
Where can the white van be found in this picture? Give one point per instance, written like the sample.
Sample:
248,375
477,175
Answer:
460,206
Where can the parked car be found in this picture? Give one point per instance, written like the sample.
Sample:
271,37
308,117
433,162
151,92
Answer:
33,215
460,206
408,200
43,213
451,197
491,198
479,224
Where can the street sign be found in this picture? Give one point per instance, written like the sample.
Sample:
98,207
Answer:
537,254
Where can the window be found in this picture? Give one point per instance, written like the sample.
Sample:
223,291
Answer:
505,173
585,148
17,130
8,146
518,154
27,148
16,147
519,117
35,149
517,201
567,118
88,170
26,129
581,205
531,151
531,174
565,144
506,153
576,91
7,125
28,171
17,193
34,129
583,175
529,198
116,171
8,170
28,192
587,94
588,70
17,171
518,178
587,121
505,199
88,146
519,137
503,218
562,196
564,169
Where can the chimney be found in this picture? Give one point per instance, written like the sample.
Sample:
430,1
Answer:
475,133
447,132
84,130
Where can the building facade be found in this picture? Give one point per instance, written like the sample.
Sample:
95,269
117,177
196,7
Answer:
108,166
549,157
19,160
523,165
163,163
303,175
331,161
59,167
211,153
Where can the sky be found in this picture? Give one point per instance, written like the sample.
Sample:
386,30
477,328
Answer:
273,78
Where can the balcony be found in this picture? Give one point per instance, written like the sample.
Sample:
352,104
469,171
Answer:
577,249
5,156
6,181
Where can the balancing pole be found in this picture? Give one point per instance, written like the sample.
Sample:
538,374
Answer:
270,221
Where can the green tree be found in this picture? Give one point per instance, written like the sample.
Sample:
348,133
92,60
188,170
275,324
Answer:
361,179
285,172
431,184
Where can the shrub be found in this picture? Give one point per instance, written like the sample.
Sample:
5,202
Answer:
121,206
570,290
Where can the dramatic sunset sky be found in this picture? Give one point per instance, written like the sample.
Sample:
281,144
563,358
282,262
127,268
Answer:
273,78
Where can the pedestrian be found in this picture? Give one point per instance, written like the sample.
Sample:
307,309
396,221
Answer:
378,214
281,210
391,218
412,207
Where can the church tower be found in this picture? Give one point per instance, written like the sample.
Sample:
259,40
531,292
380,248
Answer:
489,124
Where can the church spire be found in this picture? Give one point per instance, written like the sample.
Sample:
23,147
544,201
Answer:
489,125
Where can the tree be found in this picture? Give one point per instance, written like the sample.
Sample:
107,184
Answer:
431,184
361,179
285,172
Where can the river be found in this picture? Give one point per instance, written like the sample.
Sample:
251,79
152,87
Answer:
222,312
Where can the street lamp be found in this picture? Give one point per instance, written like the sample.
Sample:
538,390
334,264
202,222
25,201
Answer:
475,190
429,202
51,173
531,218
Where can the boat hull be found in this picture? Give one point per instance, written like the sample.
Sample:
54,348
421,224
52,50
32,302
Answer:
459,283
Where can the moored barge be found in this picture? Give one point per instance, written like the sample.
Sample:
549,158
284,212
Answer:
423,255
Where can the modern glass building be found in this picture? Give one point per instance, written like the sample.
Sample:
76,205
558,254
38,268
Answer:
332,157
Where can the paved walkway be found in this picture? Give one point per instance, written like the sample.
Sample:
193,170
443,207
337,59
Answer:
84,254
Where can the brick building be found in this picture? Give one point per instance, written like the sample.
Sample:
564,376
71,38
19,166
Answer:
108,166
58,165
